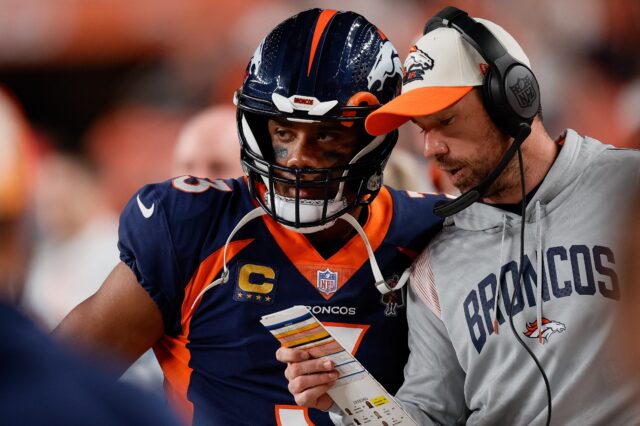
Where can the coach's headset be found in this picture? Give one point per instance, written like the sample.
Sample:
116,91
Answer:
501,81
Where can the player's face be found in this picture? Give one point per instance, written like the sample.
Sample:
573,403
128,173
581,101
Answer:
465,144
311,146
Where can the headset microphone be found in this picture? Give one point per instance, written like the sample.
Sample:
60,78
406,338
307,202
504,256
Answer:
451,207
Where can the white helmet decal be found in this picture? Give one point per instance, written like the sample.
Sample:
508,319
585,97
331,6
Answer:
387,65
256,59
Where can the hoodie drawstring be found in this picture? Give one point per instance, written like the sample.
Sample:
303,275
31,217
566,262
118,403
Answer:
498,275
539,275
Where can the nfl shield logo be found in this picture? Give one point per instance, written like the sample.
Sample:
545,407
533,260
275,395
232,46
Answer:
327,281
524,92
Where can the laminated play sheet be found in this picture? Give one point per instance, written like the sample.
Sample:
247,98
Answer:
361,398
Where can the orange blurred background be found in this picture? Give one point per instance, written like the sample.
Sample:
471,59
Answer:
115,80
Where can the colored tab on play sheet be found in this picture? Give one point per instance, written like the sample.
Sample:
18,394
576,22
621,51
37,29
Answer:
298,328
360,397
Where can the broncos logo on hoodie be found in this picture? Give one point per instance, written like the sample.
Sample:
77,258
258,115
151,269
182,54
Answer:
544,332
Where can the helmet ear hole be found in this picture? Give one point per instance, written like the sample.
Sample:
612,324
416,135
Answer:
259,125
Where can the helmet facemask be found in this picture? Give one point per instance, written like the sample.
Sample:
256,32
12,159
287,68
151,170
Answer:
353,72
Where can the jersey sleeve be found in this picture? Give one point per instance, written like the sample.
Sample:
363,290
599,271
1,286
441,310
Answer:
414,223
147,247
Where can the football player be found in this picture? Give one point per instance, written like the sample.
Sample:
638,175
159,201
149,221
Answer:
310,224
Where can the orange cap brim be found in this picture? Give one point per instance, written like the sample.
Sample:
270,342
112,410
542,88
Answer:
415,103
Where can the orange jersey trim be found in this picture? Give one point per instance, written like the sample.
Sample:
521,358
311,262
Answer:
292,407
321,25
172,352
412,254
349,258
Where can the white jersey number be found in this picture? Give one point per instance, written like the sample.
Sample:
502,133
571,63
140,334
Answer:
200,186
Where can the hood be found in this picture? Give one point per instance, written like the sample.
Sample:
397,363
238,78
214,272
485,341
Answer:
576,155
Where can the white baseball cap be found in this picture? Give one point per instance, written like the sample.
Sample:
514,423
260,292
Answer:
441,68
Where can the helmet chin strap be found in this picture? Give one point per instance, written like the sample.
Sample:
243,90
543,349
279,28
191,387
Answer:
380,282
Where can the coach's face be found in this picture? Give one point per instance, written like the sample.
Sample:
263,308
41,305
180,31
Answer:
466,145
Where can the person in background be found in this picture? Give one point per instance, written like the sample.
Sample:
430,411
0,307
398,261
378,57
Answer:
75,249
17,167
43,383
76,238
208,147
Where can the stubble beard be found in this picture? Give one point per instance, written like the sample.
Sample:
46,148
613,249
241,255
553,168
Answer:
481,167
507,180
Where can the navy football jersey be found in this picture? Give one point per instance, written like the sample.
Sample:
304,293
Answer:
218,360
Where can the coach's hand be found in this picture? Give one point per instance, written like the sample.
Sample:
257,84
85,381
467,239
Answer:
309,379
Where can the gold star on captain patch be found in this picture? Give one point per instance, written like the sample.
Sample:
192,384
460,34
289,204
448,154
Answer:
267,298
258,297
240,294
249,296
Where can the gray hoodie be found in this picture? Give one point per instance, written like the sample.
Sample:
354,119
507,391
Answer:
460,369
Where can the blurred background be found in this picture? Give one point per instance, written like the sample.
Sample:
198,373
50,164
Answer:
113,81
98,93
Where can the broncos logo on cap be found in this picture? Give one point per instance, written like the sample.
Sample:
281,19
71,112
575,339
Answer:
383,69
417,63
544,332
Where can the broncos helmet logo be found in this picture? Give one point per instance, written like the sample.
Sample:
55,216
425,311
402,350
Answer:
387,65
256,59
544,332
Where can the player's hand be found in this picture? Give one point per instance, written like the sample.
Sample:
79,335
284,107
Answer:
309,379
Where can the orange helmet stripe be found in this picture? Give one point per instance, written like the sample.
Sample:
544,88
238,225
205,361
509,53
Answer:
321,25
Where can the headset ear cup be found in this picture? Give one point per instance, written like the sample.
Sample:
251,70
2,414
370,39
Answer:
502,105
522,94
492,101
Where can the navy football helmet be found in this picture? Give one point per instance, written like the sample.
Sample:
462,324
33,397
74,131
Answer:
319,65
